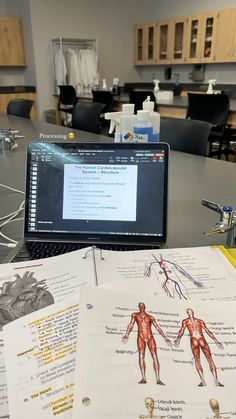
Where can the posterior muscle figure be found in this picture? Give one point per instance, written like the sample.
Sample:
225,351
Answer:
145,337
195,328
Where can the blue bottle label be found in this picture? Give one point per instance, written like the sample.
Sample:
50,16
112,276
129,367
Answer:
143,134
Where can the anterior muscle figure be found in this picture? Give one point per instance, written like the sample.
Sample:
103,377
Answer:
145,337
198,343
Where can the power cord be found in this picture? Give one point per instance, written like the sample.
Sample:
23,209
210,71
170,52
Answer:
9,218
8,244
12,189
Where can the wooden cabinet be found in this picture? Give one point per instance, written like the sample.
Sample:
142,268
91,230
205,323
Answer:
6,97
11,42
233,43
164,41
225,49
201,38
208,42
171,41
193,42
139,44
178,40
145,43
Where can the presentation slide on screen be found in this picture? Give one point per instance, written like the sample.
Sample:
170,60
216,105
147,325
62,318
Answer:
100,192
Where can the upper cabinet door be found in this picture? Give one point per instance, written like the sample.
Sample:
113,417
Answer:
164,41
193,38
178,44
139,44
233,44
226,36
201,37
171,41
208,42
145,43
11,42
151,42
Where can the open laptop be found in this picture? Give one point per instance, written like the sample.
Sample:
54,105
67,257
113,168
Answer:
111,195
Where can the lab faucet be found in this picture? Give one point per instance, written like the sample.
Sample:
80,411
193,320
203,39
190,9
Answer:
9,137
226,224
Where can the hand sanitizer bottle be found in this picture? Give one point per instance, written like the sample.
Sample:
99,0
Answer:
127,121
104,84
115,86
156,87
143,129
211,83
154,119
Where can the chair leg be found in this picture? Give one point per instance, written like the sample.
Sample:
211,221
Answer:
210,149
220,149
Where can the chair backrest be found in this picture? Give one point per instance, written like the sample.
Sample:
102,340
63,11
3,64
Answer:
188,136
67,95
139,96
105,97
85,116
210,108
20,107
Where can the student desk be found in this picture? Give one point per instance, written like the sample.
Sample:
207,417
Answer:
191,178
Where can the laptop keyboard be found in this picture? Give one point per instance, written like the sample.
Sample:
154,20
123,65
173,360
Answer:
38,250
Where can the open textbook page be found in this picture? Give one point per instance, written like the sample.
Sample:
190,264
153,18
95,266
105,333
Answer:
30,286
40,361
185,273
144,357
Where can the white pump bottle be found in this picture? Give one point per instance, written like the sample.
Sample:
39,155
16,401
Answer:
156,87
211,83
154,118
127,121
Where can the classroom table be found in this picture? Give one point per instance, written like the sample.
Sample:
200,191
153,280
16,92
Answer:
175,108
191,178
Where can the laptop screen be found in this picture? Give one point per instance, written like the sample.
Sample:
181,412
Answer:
97,191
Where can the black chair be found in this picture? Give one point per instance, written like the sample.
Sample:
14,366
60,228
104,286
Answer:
20,107
67,99
86,116
188,136
229,142
213,109
139,96
105,97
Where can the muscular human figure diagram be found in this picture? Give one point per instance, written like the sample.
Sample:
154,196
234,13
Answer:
22,296
198,343
145,338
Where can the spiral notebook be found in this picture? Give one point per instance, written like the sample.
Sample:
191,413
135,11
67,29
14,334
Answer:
112,195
